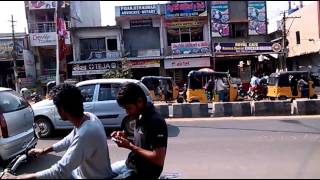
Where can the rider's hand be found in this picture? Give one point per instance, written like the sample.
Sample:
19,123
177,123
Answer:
118,134
36,152
7,175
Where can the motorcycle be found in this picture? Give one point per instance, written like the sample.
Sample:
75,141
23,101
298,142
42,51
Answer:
260,91
23,158
35,97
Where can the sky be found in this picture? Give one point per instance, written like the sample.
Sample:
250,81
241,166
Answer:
108,15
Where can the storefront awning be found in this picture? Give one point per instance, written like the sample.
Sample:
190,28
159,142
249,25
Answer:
188,56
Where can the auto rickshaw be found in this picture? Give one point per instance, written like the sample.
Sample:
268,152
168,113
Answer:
197,80
161,88
284,85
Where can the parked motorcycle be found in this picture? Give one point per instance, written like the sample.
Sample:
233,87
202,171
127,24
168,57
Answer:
18,160
260,91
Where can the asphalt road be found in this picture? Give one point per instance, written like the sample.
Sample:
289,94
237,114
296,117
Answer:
287,148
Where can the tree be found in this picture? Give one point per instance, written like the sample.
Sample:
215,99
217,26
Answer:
122,72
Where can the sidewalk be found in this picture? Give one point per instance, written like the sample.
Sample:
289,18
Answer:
249,118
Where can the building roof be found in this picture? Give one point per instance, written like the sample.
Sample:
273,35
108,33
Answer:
9,35
95,27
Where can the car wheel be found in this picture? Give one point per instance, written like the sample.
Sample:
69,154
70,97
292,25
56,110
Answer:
45,127
128,125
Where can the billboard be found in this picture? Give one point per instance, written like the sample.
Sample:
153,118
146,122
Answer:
201,47
44,4
220,18
257,17
186,9
234,48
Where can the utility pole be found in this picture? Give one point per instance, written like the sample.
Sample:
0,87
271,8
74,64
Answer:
283,62
14,55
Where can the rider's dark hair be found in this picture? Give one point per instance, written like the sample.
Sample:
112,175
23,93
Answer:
129,93
69,98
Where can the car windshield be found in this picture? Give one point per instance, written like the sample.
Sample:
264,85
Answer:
10,102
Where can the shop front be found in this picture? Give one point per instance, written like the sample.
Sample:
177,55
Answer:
180,68
140,68
244,59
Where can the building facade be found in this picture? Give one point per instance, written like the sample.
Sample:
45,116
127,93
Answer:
304,41
142,38
42,33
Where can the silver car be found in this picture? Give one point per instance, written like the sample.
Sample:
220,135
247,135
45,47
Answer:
99,99
16,124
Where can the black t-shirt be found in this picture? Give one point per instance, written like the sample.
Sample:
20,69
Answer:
151,132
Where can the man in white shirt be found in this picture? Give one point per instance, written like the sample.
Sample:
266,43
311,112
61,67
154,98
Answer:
87,153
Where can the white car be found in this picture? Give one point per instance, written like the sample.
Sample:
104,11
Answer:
99,99
16,124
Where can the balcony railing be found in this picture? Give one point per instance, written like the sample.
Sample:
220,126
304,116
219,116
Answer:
44,27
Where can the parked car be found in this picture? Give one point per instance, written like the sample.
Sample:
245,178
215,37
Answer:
16,124
99,99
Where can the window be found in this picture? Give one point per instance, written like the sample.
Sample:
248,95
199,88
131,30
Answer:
91,45
239,30
298,37
10,101
87,92
108,92
112,44
184,35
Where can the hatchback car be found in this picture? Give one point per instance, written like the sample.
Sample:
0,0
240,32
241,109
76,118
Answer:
16,124
99,98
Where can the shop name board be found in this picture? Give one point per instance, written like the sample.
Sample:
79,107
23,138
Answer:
94,68
265,47
145,64
186,63
199,47
186,9
140,23
44,4
139,10
184,23
46,39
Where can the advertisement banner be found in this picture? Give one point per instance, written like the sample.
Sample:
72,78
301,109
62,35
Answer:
201,47
257,17
185,23
29,64
6,47
186,9
44,4
94,68
46,39
186,63
145,64
220,18
140,10
233,48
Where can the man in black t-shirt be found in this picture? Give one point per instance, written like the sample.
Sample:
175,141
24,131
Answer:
149,146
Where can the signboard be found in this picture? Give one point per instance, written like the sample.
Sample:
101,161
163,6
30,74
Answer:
6,47
94,68
104,55
257,17
145,64
190,48
181,23
138,23
29,64
232,48
139,10
186,9
43,4
220,18
186,63
26,82
46,39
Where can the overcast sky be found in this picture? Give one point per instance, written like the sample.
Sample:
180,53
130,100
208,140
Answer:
107,13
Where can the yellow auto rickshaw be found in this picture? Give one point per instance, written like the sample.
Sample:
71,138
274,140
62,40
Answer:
196,86
291,84
161,88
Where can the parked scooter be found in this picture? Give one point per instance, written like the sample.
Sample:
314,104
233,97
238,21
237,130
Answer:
18,160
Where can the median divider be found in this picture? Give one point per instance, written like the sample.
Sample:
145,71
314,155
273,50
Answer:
236,109
271,108
163,110
307,106
190,110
